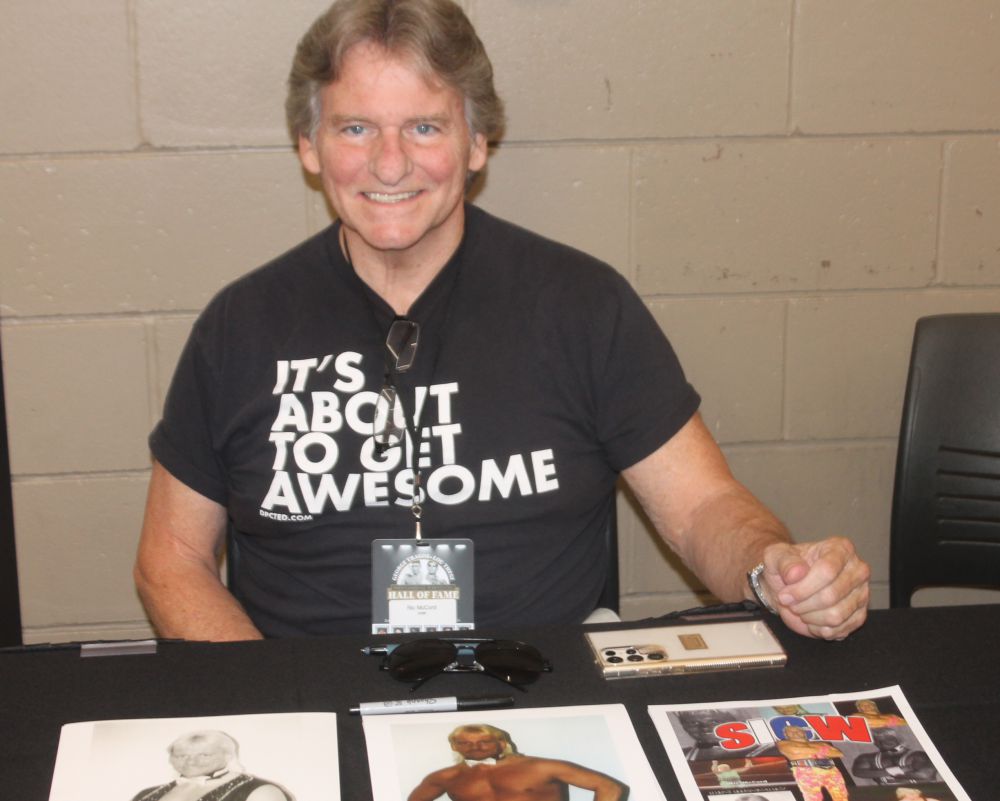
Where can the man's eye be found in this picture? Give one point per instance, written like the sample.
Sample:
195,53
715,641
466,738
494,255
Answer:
425,128
354,130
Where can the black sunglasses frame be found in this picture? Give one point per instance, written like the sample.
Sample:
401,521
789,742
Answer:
513,662
401,343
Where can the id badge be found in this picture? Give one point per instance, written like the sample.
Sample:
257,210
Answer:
422,585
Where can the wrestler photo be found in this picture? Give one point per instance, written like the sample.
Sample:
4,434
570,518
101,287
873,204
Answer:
208,769
561,754
879,713
738,772
814,765
696,732
488,767
277,757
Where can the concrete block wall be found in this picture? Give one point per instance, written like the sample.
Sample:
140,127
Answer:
789,184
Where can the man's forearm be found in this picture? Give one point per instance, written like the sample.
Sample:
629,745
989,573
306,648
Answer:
189,602
702,512
609,791
727,537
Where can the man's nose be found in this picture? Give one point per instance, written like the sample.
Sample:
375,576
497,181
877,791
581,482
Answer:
390,161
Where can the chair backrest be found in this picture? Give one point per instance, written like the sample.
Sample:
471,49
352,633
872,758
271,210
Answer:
10,604
609,598
946,500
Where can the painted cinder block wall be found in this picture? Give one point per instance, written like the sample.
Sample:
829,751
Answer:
789,184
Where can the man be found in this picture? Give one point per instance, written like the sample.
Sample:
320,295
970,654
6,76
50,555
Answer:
535,379
895,762
700,726
813,765
491,769
207,767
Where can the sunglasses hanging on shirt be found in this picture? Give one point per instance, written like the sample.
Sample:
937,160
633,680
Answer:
400,352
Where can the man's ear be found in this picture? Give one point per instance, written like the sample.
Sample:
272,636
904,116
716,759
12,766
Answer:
308,155
478,152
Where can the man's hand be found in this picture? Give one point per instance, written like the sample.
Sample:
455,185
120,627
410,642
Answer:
820,589
721,530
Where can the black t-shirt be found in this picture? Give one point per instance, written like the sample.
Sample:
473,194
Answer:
539,376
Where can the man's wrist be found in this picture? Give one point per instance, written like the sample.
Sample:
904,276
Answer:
757,589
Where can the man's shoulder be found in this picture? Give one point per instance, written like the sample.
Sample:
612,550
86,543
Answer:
491,231
301,262
446,774
534,260
277,288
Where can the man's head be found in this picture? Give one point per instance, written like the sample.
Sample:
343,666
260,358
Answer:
796,734
700,724
481,741
867,707
887,739
202,753
435,35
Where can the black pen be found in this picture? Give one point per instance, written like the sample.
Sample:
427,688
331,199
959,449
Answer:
447,704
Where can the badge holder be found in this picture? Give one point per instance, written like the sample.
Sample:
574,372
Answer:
418,585
422,585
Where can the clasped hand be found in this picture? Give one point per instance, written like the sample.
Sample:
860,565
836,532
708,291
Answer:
820,589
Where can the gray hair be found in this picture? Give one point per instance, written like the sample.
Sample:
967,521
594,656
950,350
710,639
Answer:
435,34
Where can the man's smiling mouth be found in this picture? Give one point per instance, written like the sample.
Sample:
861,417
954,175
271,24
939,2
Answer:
386,197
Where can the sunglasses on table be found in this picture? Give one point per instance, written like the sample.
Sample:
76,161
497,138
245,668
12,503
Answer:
513,662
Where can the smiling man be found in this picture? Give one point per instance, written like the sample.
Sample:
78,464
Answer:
423,365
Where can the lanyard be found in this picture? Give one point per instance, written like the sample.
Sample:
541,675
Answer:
411,421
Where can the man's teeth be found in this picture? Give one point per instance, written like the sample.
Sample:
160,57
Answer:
384,197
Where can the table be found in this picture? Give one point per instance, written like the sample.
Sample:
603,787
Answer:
945,659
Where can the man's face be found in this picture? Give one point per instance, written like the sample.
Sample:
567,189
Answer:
700,724
393,152
795,734
198,758
477,746
885,739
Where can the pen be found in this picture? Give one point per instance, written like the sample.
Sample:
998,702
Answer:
446,704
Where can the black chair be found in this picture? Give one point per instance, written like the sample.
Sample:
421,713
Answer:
610,597
946,500
10,605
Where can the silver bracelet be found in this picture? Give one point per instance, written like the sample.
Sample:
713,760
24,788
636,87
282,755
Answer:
753,579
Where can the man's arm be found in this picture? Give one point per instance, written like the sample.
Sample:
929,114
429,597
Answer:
176,571
431,787
605,788
267,792
721,531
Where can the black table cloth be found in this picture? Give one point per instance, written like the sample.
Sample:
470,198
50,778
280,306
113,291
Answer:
945,660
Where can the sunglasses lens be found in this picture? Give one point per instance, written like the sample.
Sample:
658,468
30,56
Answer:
388,425
419,660
514,662
402,343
